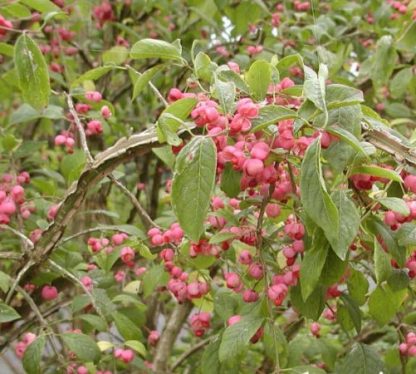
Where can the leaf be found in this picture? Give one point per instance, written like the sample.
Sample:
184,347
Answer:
314,86
400,83
232,76
313,306
395,204
115,55
333,270
210,360
4,282
338,95
313,263
398,280
305,369
407,39
258,78
6,49
349,223
225,93
154,48
126,327
237,337
95,321
33,355
384,303
353,311
152,278
230,181
144,79
93,74
7,313
362,359
204,67
221,237
270,115
315,198
347,137
193,183
43,6
383,61
357,286
137,346
381,263
177,112
376,171
32,72
406,235
15,11
85,348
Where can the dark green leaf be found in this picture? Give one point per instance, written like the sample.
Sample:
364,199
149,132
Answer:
126,327
383,61
7,313
270,115
376,171
144,79
314,86
353,311
313,306
230,181
357,286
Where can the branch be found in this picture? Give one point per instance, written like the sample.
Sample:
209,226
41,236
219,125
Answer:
28,242
191,351
171,331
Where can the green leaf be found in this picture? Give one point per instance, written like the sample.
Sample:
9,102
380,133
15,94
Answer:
383,61
362,359
154,48
338,95
398,280
395,204
315,198
258,78
95,321
407,38
333,270
204,68
232,76
237,337
270,115
85,348
357,286
400,83
347,137
177,112
137,346
43,6
406,235
126,327
115,55
210,361
313,263
314,86
15,10
32,72
33,356
305,369
376,171
225,93
6,49
353,311
230,181
384,303
166,155
4,282
93,74
7,313
313,306
153,278
349,223
381,263
193,183
221,237
144,79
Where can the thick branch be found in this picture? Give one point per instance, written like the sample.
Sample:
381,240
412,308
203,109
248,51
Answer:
174,325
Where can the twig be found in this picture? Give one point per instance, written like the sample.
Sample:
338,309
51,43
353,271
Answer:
191,351
20,275
42,321
145,218
158,94
28,242
174,325
71,276
88,231
80,129
10,255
